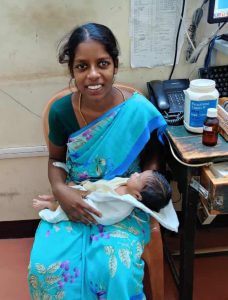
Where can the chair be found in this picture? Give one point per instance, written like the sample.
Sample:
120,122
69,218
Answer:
153,252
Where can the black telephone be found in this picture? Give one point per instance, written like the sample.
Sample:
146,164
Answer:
168,97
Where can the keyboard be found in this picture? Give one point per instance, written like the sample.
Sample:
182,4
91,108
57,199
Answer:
220,75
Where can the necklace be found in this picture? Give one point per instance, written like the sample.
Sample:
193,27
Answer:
79,109
80,101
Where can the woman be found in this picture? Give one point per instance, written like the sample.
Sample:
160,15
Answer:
100,131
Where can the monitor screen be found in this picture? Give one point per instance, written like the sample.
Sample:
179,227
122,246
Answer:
218,11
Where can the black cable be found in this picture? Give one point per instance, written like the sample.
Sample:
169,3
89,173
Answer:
177,38
223,24
207,59
204,2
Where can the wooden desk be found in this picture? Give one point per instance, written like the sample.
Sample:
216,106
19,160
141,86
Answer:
189,148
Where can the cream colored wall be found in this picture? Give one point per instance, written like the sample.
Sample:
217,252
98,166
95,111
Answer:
23,179
29,74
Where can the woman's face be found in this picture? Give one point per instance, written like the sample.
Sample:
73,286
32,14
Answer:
93,70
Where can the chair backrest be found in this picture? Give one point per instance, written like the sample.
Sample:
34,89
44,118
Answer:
67,91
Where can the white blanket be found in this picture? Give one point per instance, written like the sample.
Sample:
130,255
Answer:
115,208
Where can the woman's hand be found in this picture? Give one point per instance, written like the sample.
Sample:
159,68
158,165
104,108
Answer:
69,199
74,206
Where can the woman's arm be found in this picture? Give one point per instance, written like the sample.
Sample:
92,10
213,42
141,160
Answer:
57,176
69,199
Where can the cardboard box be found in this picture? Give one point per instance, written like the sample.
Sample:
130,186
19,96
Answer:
223,119
217,201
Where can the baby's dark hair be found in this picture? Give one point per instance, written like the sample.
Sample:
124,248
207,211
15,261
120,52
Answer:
89,31
157,192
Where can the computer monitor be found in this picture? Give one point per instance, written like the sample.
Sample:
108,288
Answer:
217,11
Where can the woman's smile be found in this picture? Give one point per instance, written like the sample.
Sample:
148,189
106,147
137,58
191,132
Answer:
93,70
94,87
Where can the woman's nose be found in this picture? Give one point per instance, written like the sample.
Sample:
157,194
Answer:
93,73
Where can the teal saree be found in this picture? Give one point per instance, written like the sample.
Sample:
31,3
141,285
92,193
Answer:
73,261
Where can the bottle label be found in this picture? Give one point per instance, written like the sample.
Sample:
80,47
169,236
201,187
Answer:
198,111
207,128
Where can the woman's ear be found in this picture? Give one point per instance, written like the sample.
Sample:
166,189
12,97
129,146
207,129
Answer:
116,66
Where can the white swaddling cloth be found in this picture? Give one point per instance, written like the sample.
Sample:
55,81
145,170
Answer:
115,208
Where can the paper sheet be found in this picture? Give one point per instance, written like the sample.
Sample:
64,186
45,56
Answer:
154,25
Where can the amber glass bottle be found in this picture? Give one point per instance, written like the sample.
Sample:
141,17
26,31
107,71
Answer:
210,128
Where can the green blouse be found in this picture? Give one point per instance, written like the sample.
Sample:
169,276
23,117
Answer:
62,121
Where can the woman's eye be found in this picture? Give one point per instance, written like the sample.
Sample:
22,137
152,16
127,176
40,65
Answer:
104,63
80,66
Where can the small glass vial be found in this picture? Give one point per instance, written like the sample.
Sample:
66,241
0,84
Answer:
210,128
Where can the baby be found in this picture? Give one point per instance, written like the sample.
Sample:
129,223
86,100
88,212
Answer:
115,198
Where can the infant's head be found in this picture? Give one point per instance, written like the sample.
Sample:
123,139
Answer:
151,188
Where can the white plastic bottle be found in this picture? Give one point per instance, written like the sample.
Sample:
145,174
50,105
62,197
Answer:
200,96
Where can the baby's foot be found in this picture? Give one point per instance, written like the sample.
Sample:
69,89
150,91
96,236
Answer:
42,204
47,198
39,204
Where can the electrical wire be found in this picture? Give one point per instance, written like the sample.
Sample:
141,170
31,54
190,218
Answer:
204,2
191,32
177,38
178,200
207,59
195,54
196,18
182,162
189,39
221,26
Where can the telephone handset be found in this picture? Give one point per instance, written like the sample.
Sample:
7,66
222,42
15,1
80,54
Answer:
168,97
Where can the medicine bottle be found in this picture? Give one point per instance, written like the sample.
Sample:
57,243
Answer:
200,96
210,128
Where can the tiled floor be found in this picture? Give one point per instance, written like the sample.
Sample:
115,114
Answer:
211,274
210,271
14,259
210,279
